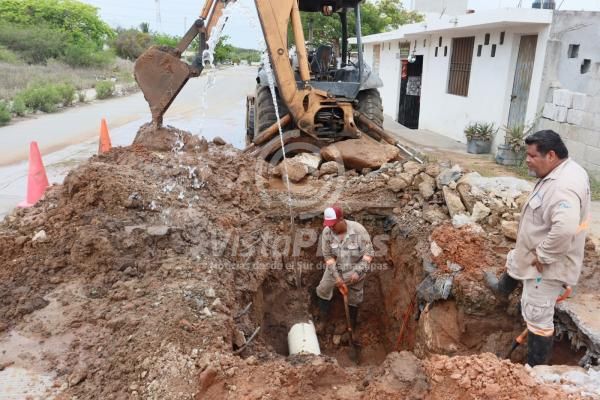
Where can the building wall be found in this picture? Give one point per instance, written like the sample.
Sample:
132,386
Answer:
389,71
448,7
570,100
490,84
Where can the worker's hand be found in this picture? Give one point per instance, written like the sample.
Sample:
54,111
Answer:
354,278
538,265
330,262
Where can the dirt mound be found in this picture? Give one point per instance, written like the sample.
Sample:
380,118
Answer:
461,246
132,279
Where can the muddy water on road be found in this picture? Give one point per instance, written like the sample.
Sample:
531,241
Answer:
212,105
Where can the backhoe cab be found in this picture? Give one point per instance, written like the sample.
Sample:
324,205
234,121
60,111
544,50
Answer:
319,98
349,84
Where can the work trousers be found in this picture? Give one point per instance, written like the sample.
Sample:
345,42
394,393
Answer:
537,304
327,286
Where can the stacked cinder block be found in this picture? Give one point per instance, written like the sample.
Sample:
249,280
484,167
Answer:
576,117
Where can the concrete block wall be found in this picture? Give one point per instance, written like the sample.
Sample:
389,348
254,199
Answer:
576,117
571,105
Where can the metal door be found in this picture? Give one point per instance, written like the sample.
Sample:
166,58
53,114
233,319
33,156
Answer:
410,93
522,82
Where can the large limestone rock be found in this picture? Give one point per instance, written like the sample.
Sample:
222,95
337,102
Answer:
311,160
433,169
480,211
397,184
434,214
464,190
413,167
448,175
296,170
510,228
424,177
455,205
360,153
426,189
330,168
298,166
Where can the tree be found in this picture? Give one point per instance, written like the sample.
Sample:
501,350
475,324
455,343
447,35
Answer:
376,17
223,50
145,27
163,39
79,21
131,43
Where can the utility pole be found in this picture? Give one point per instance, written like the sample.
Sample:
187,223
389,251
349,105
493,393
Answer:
158,19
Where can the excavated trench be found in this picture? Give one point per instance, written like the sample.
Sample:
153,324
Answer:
450,326
281,302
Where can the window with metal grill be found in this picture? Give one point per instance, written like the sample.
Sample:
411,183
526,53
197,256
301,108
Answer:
460,65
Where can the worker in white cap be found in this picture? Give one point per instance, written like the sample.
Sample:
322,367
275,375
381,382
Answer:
347,252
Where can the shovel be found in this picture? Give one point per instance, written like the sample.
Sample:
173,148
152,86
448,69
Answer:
354,346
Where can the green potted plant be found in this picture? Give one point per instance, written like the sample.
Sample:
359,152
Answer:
479,137
512,152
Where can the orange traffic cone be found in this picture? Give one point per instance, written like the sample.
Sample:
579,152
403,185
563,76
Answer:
37,181
105,144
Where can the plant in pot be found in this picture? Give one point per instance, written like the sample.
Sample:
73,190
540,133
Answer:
512,152
479,137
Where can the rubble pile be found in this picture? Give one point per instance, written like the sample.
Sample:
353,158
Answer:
571,379
486,377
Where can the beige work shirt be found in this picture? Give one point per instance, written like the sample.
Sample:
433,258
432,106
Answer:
349,250
553,226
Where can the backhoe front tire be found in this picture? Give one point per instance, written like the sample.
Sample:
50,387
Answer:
370,105
264,109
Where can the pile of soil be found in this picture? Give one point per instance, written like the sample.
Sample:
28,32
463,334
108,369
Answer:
462,246
132,278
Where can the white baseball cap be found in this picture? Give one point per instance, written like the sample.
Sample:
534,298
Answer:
332,215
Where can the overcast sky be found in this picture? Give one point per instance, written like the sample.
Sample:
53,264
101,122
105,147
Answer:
177,15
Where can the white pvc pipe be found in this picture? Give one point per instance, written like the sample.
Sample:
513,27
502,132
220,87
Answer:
302,338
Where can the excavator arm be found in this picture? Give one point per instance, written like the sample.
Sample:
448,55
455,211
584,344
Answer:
161,74
159,71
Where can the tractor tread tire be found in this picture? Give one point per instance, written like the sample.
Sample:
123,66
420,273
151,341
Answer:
370,105
264,110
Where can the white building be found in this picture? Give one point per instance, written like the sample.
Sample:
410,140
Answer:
507,66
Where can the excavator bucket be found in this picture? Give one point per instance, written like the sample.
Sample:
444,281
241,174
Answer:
160,75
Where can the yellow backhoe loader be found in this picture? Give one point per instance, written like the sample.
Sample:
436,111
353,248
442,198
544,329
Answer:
322,97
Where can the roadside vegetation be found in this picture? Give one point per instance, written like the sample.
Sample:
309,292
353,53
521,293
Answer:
226,53
105,89
51,51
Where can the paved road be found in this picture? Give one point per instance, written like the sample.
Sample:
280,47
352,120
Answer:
211,105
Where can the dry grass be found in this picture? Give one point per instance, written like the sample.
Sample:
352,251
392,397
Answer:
16,77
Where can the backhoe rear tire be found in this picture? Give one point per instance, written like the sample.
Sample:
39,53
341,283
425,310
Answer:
369,104
250,107
264,109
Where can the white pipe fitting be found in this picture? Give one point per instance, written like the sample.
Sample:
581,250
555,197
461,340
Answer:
302,338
